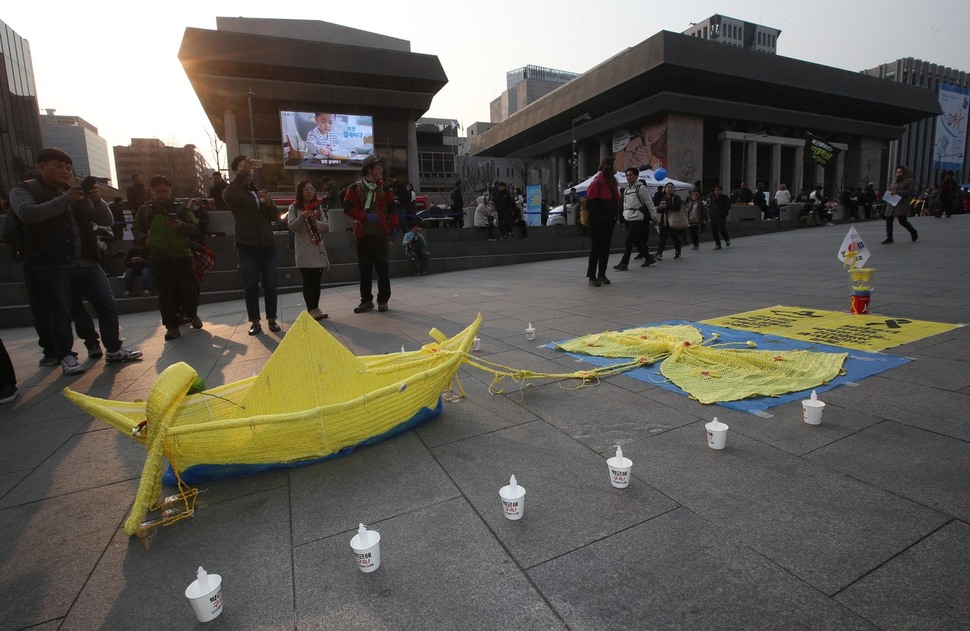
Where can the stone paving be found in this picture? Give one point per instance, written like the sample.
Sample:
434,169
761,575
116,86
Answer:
862,522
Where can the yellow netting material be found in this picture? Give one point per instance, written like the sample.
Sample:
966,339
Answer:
312,399
710,373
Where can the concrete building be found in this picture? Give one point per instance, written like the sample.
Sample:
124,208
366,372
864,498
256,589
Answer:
184,166
265,67
917,147
735,32
524,86
80,140
715,113
20,137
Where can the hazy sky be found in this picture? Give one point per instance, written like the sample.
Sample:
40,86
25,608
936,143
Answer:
115,64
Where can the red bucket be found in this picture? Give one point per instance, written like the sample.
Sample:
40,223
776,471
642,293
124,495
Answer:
860,305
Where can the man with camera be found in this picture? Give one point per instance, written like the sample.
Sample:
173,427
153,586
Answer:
167,224
255,213
60,245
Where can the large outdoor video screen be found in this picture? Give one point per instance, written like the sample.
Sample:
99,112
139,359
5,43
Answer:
322,140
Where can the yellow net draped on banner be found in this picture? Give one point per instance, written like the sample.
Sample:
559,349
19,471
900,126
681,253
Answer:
708,372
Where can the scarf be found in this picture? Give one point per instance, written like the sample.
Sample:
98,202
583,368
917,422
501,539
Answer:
311,222
371,187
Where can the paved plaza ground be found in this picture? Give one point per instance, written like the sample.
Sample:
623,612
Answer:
862,522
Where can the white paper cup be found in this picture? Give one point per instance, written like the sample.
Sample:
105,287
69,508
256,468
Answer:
206,605
813,411
619,471
513,504
530,334
716,434
477,344
368,556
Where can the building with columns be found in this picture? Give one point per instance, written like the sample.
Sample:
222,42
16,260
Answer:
713,113
249,70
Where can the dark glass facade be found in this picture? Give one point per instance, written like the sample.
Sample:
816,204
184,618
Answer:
20,138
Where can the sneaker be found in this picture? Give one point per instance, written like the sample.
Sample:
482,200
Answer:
677,255
8,393
172,333
604,280
94,350
727,243
274,327
122,355
647,262
382,306
364,306
70,366
196,322
659,256
316,314
255,328
127,294
48,360
621,267
593,282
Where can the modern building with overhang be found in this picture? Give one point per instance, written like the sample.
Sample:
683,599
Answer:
268,66
714,113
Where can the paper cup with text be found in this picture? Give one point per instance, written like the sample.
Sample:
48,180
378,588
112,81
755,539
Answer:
812,410
206,603
513,501
619,471
367,553
716,434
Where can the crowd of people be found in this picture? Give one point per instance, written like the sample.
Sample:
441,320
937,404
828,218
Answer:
675,218
54,226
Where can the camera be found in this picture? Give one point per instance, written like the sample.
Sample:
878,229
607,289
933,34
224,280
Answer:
89,183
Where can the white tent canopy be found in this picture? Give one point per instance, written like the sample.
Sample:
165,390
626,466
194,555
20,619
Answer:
646,176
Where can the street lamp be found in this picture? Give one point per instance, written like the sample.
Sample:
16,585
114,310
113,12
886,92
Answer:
572,131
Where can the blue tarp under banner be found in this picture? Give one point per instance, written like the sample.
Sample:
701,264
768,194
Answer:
858,365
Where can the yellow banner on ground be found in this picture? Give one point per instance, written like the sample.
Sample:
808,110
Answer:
862,332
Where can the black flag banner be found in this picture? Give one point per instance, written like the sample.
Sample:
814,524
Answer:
822,152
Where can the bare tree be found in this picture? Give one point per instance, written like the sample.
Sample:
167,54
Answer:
216,147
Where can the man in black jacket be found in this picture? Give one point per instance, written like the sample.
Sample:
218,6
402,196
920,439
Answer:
718,207
458,205
59,243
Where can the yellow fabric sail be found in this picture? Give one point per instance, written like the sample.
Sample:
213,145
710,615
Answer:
707,372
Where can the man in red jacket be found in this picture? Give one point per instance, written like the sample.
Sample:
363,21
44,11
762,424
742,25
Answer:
371,207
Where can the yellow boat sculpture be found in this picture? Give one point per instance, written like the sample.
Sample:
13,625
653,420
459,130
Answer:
313,400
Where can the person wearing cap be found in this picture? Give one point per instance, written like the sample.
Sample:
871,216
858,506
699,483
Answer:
371,208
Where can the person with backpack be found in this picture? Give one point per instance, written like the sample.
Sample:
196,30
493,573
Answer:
59,243
638,209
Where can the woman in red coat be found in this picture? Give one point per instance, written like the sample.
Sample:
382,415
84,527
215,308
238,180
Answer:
602,203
